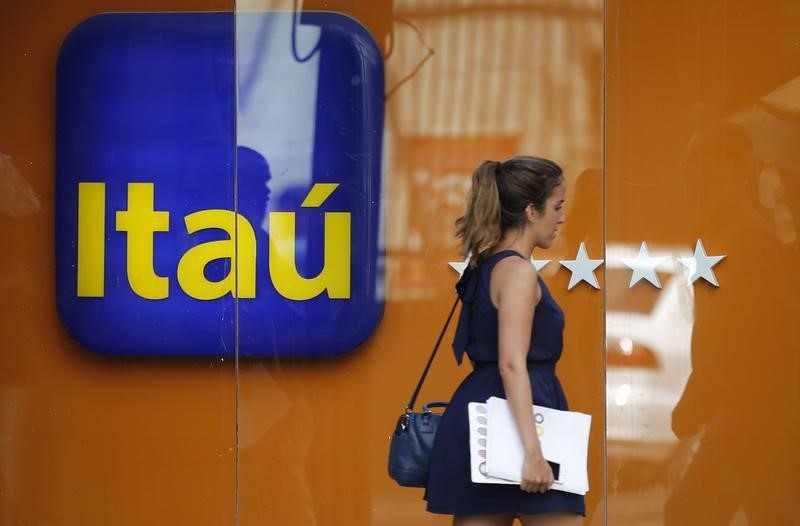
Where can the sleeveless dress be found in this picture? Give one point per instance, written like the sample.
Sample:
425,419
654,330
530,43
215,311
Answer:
449,488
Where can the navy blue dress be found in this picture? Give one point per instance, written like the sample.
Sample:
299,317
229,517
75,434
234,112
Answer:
449,488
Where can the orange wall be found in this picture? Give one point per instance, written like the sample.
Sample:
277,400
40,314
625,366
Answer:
86,439
693,128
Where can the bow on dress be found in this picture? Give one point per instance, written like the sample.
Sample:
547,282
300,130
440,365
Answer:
467,289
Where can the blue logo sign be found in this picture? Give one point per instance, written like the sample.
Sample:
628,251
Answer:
217,193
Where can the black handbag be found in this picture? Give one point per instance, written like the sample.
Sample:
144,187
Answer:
412,439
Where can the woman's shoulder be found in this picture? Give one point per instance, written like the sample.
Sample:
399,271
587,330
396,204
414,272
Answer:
515,270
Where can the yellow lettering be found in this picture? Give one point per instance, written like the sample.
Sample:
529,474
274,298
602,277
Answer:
335,273
318,194
141,222
242,255
91,239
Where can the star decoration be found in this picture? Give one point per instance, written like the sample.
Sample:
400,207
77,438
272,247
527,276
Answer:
644,267
539,264
459,266
582,268
700,265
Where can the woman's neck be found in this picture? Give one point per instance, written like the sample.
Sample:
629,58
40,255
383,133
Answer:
517,241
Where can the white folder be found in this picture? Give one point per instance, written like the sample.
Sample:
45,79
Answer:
497,453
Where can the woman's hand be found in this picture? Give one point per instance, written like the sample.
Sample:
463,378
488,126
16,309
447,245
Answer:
537,477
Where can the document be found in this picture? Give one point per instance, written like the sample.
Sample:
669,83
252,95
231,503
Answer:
496,451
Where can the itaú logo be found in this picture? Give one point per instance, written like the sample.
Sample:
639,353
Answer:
209,209
140,222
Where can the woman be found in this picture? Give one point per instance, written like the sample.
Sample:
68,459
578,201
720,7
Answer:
511,329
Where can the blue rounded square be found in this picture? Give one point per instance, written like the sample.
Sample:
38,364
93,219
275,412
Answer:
201,213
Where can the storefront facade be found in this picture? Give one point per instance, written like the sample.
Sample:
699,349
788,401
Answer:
228,228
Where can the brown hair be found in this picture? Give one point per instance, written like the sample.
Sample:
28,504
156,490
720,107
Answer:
500,193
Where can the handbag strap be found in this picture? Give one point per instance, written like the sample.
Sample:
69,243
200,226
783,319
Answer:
410,406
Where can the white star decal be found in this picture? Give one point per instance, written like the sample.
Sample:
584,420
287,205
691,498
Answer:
539,264
700,265
644,267
459,266
582,268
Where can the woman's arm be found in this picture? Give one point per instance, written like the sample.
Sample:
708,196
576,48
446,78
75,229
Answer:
515,291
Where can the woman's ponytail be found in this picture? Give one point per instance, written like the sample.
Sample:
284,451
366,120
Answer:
479,229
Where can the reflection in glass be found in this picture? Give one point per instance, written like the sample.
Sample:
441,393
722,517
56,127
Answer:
740,402
648,332
504,78
310,117
698,147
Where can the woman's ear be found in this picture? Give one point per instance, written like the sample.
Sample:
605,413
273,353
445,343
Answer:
530,212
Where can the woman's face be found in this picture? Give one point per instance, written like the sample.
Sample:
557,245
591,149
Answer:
546,222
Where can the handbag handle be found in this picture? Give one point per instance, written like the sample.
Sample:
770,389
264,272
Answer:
410,406
427,408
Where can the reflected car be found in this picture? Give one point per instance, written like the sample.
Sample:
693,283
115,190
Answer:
648,343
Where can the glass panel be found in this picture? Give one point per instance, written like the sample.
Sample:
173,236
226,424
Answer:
310,121
702,392
107,413
422,92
